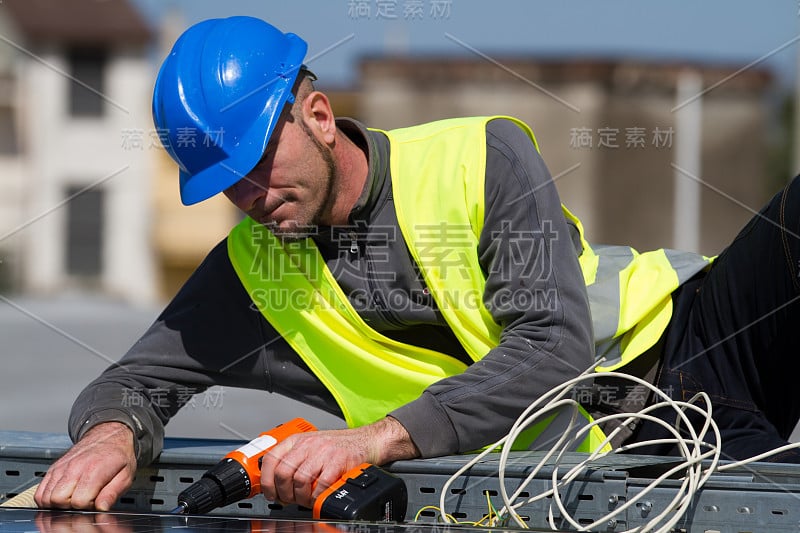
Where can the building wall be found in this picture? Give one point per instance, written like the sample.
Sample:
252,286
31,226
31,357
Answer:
623,192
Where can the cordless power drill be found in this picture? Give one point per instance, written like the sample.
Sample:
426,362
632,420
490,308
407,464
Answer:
363,493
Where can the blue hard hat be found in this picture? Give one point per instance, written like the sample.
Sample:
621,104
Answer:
217,98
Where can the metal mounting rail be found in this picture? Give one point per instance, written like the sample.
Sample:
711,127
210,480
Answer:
758,497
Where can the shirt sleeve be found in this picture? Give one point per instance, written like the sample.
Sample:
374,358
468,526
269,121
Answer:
534,290
207,335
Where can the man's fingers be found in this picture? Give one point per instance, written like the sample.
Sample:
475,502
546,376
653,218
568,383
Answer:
91,483
92,488
283,479
304,480
276,467
42,496
38,497
58,491
113,490
327,478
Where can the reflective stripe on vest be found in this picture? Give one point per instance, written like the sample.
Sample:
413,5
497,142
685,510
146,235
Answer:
630,295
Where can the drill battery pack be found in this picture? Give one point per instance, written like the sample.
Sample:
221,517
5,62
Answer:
366,493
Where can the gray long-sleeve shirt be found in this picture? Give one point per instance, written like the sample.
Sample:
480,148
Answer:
211,334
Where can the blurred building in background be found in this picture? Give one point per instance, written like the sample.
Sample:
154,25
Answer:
89,200
75,209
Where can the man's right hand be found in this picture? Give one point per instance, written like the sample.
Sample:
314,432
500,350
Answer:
96,471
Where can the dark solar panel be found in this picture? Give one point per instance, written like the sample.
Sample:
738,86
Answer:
42,521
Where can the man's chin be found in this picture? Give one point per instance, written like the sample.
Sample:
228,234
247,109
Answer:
291,231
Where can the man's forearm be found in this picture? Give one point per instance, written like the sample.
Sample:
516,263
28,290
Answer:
394,442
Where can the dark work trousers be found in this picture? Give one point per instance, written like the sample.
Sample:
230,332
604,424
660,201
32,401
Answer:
735,334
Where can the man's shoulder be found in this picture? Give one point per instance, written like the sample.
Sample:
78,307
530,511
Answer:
506,127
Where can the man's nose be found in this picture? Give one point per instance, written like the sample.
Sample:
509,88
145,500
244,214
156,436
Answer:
247,193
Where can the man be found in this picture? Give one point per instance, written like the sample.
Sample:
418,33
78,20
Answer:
424,284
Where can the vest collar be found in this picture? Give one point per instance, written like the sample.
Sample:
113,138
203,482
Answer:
377,148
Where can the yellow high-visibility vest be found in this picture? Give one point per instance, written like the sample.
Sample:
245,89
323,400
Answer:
438,172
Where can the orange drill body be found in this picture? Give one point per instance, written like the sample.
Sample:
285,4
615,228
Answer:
251,454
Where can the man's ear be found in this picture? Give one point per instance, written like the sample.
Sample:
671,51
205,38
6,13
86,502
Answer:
318,115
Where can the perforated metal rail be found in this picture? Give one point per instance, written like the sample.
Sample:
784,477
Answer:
761,497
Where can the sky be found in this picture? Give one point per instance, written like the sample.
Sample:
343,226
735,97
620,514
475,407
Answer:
734,33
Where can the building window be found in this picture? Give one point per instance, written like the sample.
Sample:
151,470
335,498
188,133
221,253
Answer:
84,232
8,132
9,142
87,65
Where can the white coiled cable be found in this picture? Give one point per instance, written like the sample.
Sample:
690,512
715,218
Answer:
692,447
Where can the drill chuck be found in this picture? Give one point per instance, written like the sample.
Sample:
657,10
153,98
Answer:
227,482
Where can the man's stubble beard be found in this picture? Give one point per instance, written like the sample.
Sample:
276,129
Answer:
306,229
